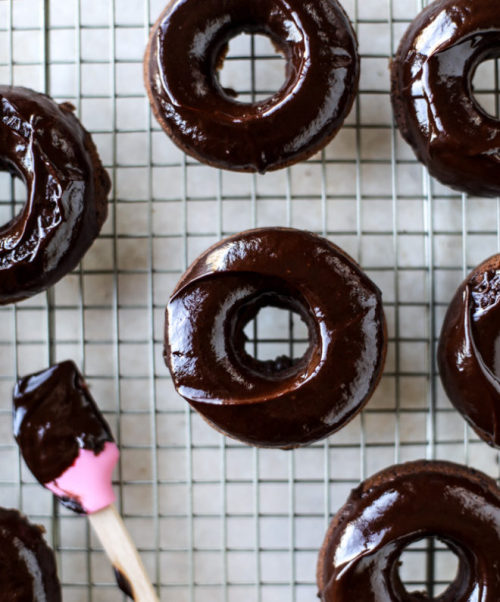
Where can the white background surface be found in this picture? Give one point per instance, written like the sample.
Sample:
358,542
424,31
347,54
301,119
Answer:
217,520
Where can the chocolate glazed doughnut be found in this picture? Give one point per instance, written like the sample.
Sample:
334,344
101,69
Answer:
186,48
283,403
401,505
432,93
45,145
27,565
468,352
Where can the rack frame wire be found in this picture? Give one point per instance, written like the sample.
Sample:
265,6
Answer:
216,520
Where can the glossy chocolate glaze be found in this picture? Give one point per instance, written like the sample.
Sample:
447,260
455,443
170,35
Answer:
401,505
45,145
433,98
187,46
469,350
54,417
28,570
284,403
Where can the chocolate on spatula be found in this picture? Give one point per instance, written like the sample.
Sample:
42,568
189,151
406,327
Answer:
69,448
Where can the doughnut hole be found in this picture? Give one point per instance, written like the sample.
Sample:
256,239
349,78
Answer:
13,195
253,69
428,566
486,87
277,339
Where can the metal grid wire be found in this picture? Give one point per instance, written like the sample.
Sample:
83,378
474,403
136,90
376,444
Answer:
216,520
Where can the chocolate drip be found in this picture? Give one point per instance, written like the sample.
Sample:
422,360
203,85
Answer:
123,583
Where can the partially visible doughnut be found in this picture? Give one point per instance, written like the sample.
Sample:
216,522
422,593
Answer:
433,99
469,350
45,145
360,555
187,46
28,570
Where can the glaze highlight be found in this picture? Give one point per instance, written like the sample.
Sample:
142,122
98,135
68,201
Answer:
186,48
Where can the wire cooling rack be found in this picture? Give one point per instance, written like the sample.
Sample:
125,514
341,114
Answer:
216,520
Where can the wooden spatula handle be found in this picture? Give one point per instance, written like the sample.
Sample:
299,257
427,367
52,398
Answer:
120,549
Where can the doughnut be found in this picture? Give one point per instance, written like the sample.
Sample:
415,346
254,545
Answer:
28,570
45,145
468,351
186,48
403,504
282,403
63,437
432,93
